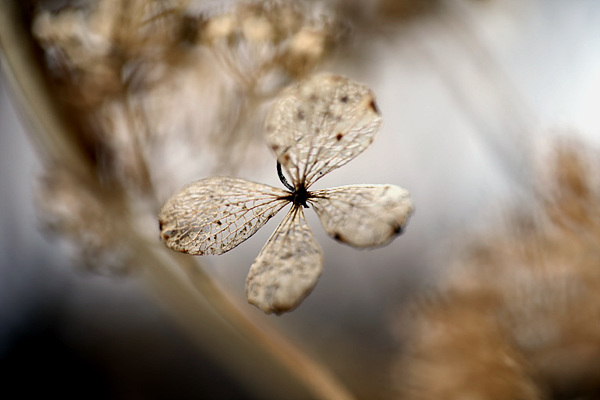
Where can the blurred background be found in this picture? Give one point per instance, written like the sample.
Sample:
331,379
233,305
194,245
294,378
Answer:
122,104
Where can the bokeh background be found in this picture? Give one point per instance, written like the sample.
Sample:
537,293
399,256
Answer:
472,94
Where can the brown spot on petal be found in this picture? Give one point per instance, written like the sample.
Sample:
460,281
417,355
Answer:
166,235
339,237
373,106
398,229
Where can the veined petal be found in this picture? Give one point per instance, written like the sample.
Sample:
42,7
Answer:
287,268
363,215
319,124
214,215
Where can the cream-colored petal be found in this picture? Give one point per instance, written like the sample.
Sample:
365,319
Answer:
214,215
363,215
287,268
319,124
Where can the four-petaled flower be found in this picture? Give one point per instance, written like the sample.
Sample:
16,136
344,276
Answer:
314,127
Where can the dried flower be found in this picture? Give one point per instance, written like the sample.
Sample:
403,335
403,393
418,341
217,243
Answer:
77,209
313,128
264,40
517,316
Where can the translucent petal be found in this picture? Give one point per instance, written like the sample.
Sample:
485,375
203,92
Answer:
363,215
287,268
320,124
213,215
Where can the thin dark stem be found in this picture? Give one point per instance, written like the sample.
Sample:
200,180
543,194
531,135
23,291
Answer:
282,178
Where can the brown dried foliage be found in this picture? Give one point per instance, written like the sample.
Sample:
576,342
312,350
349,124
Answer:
518,316
78,210
153,88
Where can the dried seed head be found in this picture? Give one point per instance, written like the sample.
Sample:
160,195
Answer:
220,28
572,184
258,30
256,41
89,220
307,47
520,306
